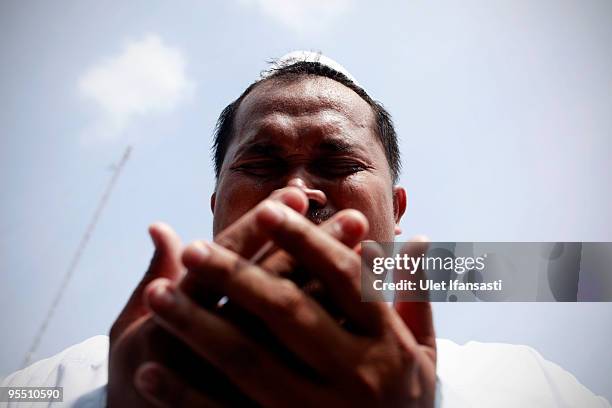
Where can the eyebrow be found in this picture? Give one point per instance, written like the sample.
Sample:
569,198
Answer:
336,146
259,148
330,146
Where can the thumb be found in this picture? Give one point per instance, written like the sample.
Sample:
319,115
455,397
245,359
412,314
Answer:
417,314
166,263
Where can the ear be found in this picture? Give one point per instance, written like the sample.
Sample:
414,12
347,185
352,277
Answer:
399,206
213,199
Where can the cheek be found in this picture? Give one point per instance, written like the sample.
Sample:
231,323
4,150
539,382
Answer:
235,196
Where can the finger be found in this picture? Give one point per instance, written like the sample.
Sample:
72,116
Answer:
290,314
280,263
369,252
337,266
165,389
245,236
166,263
417,315
226,347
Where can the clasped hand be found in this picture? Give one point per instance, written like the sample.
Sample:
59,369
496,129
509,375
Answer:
282,347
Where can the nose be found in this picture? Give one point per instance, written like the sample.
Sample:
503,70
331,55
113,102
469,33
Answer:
316,197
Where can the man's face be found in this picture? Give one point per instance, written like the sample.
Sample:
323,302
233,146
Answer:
316,134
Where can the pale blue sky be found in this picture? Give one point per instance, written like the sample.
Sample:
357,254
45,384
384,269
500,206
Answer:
503,109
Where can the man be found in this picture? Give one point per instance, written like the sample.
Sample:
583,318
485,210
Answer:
270,313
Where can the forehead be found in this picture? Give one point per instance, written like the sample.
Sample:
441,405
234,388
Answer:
317,107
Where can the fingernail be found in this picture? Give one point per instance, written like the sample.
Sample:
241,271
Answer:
202,247
164,296
148,379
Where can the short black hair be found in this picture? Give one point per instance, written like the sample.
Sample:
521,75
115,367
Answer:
384,124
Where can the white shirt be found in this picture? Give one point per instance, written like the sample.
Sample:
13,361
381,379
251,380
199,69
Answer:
471,375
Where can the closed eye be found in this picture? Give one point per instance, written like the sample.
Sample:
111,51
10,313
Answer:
334,167
260,168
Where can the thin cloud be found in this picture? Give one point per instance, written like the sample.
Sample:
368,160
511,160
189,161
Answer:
147,77
301,15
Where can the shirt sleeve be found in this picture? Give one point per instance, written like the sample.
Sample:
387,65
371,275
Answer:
80,369
506,375
568,391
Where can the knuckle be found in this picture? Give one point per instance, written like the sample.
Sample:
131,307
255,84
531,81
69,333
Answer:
239,359
407,356
300,227
290,300
168,387
304,227
237,274
266,203
263,208
228,241
182,318
369,386
348,266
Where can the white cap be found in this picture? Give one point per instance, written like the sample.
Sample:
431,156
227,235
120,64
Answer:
306,56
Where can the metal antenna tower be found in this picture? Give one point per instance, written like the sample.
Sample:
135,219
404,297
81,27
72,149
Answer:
77,257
